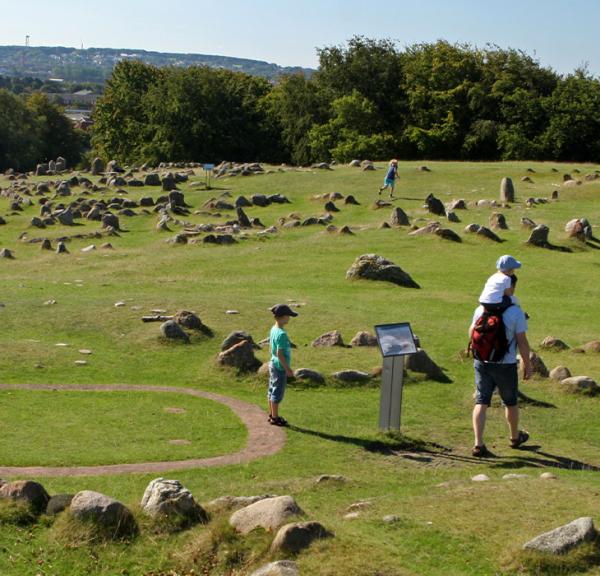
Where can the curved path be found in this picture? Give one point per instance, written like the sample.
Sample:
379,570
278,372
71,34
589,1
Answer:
263,439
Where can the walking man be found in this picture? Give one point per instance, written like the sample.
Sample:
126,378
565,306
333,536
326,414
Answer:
490,331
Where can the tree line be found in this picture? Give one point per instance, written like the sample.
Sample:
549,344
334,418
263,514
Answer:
368,99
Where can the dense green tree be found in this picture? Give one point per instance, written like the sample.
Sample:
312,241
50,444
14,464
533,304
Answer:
19,134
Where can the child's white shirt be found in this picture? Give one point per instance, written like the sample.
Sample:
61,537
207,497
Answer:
494,288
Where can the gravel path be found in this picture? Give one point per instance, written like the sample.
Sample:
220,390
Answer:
263,439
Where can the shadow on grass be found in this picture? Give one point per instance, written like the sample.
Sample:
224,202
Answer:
422,451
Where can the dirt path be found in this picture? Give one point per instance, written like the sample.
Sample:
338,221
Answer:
263,439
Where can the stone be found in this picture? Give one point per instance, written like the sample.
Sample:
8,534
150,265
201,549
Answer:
399,217
374,267
352,516
294,537
452,217
152,179
333,338
270,514
80,362
515,476
579,228
58,503
593,346
498,221
172,331
580,384
225,503
310,375
240,356
423,364
97,166
331,478
554,194
110,220
259,200
354,163
459,204
528,223
191,321
6,253
61,164
41,169
346,230
61,248
391,519
539,236
242,202
89,248
37,222
27,491
170,498
103,511
560,373
352,376
435,206
551,343
562,539
351,200
480,478
168,182
331,207
235,338
548,476
65,217
177,198
507,191
537,363
447,234
279,568
243,220
363,339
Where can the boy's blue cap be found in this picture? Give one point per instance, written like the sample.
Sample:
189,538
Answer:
282,310
507,262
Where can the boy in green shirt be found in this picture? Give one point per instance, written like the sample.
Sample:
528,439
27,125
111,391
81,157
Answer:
281,360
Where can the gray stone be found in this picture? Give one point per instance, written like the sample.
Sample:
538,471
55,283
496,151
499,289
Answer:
152,179
331,479
551,343
110,220
480,478
539,236
537,364
308,374
435,206
170,498
97,166
168,182
459,204
6,253
279,568
374,267
37,222
447,234
240,356
498,221
560,373
243,219
452,217
422,363
61,164
562,539
593,346
61,248
333,338
580,384
294,537
351,200
364,339
270,514
103,511
352,376
399,217
507,191
41,169
28,491
65,217
58,503
172,331
235,338
391,519
191,321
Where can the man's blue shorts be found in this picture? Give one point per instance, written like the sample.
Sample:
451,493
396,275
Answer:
489,376
277,383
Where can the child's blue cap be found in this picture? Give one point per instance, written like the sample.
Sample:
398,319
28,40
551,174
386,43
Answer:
507,262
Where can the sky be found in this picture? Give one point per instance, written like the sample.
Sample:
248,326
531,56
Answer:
561,34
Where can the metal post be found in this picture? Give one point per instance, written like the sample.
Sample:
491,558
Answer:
390,406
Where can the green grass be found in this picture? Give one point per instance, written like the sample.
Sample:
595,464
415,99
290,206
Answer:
459,528
91,428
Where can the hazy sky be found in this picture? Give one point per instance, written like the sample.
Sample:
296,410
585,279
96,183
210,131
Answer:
560,33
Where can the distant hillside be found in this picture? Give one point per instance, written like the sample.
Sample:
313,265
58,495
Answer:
96,64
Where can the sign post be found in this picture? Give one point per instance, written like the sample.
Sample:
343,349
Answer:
395,342
208,168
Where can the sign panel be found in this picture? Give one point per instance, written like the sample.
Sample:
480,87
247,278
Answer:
395,339
209,167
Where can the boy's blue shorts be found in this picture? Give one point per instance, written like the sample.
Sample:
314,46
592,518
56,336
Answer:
277,383
389,182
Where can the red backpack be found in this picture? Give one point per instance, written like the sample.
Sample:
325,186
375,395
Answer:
488,340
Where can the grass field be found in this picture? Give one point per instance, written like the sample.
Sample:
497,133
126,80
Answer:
448,525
